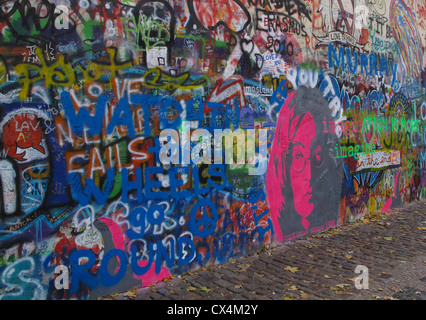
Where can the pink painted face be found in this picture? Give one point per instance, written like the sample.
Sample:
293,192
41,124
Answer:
300,169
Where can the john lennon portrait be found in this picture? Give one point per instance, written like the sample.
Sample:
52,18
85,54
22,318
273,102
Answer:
303,178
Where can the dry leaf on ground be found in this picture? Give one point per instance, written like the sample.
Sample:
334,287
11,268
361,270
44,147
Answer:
291,269
130,295
304,295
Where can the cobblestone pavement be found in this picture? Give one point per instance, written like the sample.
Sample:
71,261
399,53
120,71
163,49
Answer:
391,246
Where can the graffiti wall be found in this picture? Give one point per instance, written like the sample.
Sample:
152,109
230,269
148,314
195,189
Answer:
145,139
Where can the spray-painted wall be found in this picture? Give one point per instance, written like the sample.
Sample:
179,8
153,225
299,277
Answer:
118,118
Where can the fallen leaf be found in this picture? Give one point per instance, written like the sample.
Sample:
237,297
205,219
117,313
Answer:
326,276
111,296
421,228
293,288
238,286
205,289
191,288
352,279
304,295
260,275
348,256
291,269
387,238
342,285
130,295
288,298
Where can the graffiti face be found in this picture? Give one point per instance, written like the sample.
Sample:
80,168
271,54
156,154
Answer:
156,15
22,131
300,165
24,142
155,23
300,169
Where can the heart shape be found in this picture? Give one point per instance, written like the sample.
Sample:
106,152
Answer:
247,45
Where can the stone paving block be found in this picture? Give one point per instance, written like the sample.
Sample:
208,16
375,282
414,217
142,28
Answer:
191,296
252,286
